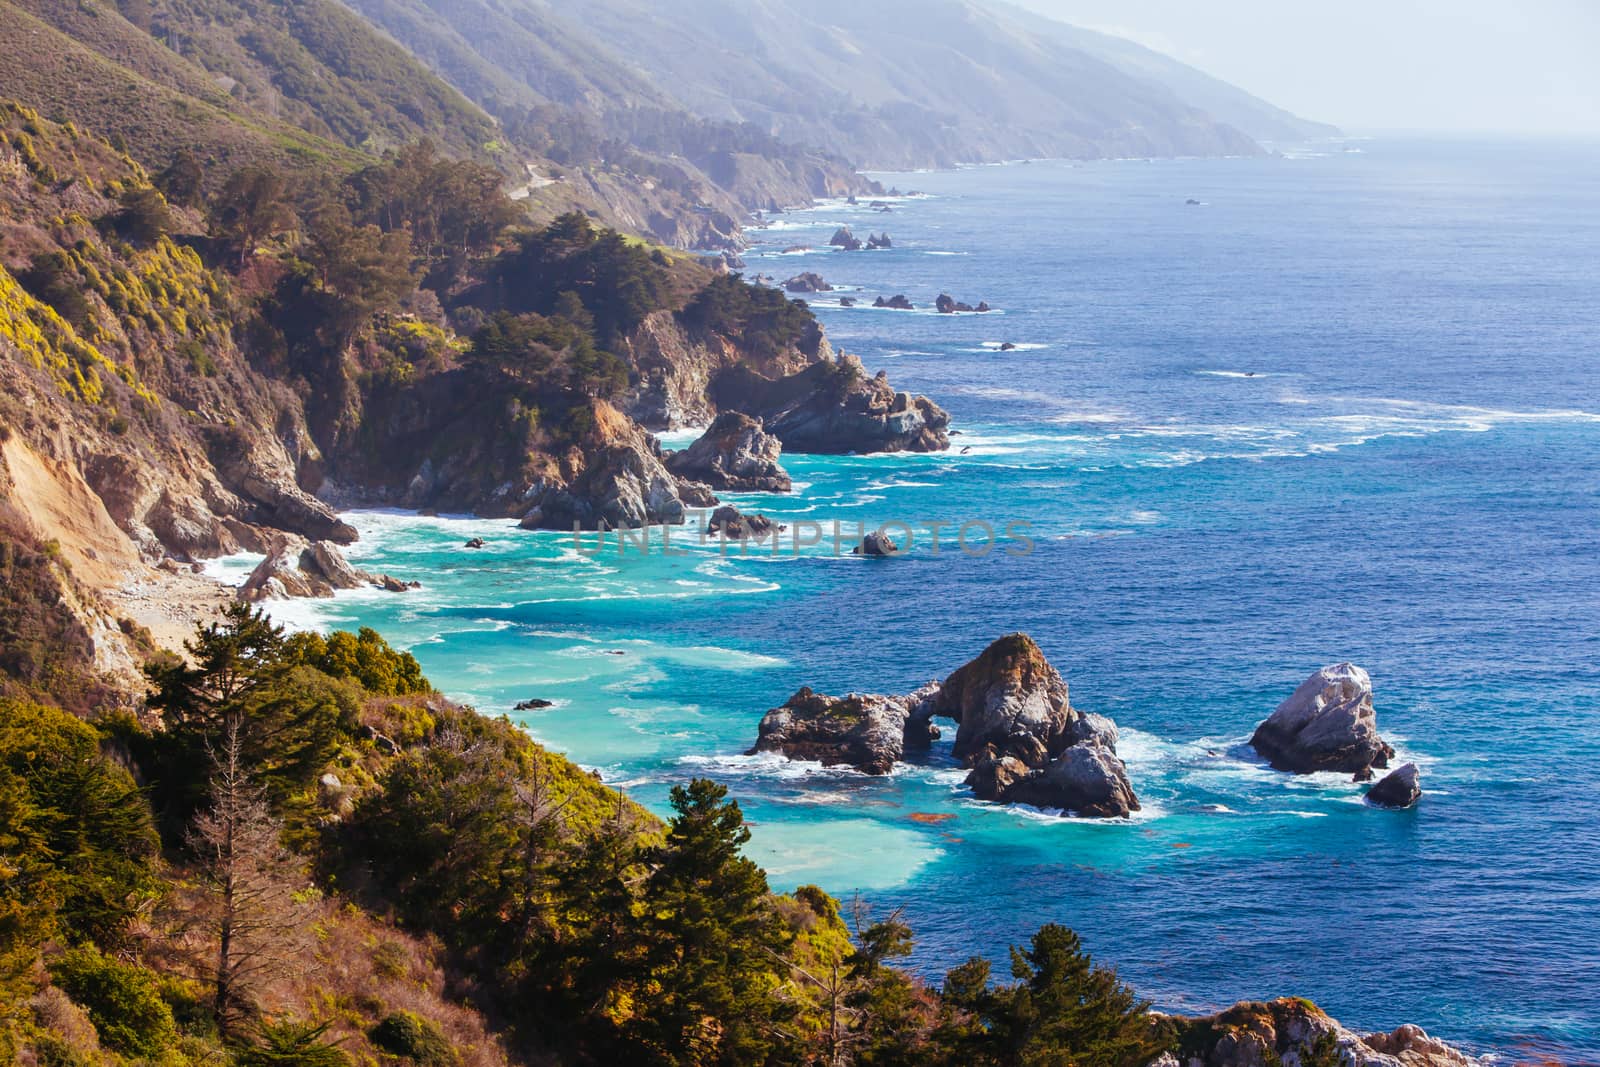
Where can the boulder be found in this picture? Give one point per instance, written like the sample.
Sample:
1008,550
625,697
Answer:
533,705
1008,346
847,301
1412,1046
843,238
879,240
476,542
876,543
898,302
807,282
731,524
696,494
734,453
1328,724
834,407
1086,779
863,731
395,585
1398,789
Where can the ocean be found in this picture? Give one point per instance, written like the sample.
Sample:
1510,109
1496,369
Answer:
1345,407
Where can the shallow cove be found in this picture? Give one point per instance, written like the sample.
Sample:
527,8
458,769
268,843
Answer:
1344,409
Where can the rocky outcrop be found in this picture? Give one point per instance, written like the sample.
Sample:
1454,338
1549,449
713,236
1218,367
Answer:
675,369
834,408
877,544
1290,1030
949,305
879,240
1400,788
867,732
1328,724
1009,697
843,238
623,487
1412,1047
732,525
734,453
898,302
294,567
807,282
1025,742
1022,740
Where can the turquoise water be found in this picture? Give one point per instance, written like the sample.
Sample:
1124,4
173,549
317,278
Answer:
1345,408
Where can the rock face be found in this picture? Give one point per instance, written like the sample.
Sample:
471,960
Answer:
898,302
1022,740
834,407
1287,1030
1399,788
734,453
1328,724
807,282
1010,697
866,732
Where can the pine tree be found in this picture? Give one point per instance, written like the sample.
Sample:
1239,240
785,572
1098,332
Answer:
711,937
252,880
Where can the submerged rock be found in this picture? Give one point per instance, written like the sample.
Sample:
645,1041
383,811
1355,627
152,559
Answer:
847,301
734,453
1400,788
1328,724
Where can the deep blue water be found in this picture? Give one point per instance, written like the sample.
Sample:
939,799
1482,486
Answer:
1345,408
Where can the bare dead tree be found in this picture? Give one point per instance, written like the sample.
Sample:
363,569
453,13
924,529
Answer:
252,880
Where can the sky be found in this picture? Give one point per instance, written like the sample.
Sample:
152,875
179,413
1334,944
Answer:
1507,66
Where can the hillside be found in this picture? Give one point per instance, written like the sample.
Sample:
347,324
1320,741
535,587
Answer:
1222,101
892,84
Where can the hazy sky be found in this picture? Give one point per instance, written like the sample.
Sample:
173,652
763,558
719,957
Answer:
1528,66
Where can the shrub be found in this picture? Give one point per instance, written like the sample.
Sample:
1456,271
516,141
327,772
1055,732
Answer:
123,1000
406,1034
292,1044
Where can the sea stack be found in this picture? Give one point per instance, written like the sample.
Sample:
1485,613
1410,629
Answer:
1328,724
1017,733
